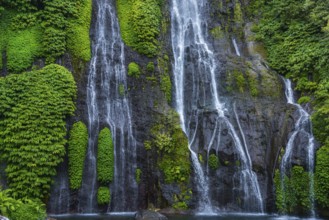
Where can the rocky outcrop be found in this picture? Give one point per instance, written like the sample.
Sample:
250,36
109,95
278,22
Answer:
149,215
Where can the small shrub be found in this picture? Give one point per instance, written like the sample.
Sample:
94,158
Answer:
138,175
103,196
150,67
20,209
77,148
105,157
33,109
134,70
304,100
213,162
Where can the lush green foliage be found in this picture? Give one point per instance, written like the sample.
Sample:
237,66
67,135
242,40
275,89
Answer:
296,37
78,41
134,70
23,48
33,109
77,148
21,45
140,24
105,157
213,161
294,198
165,82
20,209
32,29
150,67
103,196
171,144
138,175
321,177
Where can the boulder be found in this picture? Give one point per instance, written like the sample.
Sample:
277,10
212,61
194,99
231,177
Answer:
149,215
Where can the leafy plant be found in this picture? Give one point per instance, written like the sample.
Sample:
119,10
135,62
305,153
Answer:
103,196
140,24
294,197
78,41
33,109
171,144
138,175
134,70
20,209
321,177
77,148
213,161
105,157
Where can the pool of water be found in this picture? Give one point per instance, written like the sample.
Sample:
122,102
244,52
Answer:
130,216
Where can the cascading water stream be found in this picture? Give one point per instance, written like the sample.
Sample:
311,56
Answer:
302,126
108,105
237,51
195,62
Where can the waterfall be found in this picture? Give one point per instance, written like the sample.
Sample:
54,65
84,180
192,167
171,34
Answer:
194,62
303,127
60,202
108,105
237,51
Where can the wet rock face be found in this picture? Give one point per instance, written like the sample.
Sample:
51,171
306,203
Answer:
253,97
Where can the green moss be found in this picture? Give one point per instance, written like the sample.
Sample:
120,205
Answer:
134,70
20,209
121,90
78,41
147,145
105,157
253,83
33,109
150,67
294,197
77,148
165,82
213,161
138,175
33,29
304,100
23,47
237,12
321,177
217,32
140,22
103,196
181,200
165,86
124,8
235,81
4,29
171,143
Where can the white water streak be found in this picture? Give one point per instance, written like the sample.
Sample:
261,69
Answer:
187,33
299,128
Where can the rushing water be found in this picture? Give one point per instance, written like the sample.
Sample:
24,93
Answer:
195,62
237,51
302,127
108,105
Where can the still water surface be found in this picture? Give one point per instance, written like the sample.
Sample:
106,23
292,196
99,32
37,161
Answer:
130,216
